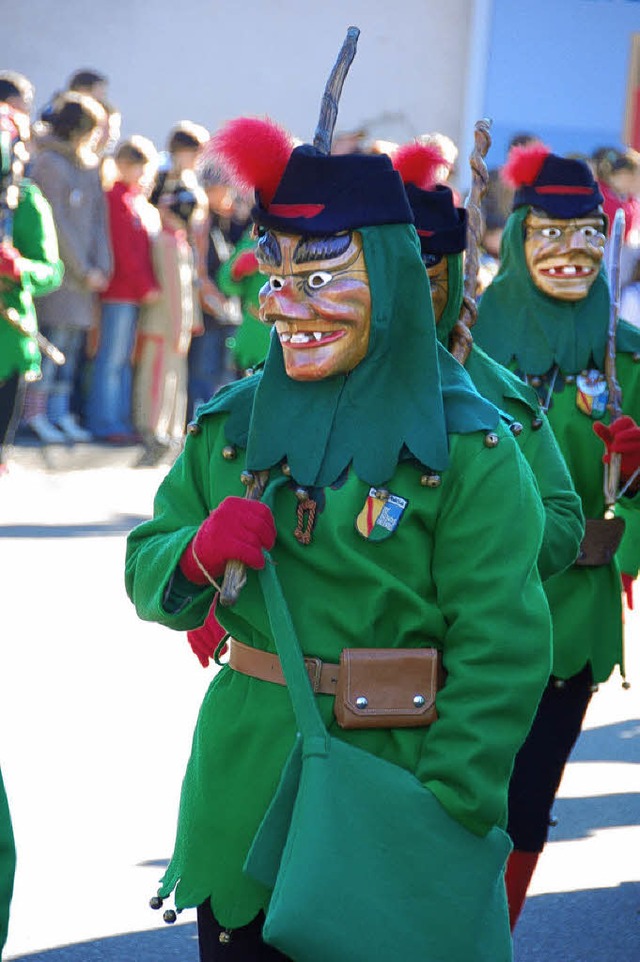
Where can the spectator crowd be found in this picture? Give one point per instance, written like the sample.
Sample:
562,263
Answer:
146,332
157,308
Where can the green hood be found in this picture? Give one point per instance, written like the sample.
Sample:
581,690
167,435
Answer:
405,397
517,322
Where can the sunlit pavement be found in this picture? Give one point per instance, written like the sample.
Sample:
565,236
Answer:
96,714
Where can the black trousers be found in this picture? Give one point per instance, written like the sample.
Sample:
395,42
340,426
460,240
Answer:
12,392
238,945
541,760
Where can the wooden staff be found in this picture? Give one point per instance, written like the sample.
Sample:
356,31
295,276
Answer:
52,352
235,574
330,98
614,403
461,340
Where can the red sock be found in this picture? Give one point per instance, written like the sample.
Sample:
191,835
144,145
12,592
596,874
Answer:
520,868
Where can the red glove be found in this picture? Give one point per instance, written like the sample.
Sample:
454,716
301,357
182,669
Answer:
622,436
9,258
238,530
627,587
244,265
205,640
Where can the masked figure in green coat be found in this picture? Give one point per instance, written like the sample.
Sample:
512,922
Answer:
546,316
399,513
442,229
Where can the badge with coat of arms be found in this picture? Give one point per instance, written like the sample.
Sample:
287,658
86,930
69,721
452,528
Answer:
592,394
380,515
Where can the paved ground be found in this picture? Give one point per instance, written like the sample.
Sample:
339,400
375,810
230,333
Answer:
96,714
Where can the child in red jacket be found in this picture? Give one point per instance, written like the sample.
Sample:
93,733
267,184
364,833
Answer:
132,223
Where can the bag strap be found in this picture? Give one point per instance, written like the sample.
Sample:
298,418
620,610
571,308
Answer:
314,733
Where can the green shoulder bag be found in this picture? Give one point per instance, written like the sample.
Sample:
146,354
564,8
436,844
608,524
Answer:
362,860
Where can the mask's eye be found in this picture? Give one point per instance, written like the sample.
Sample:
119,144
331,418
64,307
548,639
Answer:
552,233
590,232
276,283
318,279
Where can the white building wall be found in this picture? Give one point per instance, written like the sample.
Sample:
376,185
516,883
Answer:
209,60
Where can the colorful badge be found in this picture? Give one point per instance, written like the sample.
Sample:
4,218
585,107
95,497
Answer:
380,515
592,394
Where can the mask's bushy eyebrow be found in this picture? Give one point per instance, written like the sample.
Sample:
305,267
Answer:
269,250
321,248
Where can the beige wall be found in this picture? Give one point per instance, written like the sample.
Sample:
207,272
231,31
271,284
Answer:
209,60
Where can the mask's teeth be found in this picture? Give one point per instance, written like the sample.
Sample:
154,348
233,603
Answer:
317,335
285,337
301,338
569,270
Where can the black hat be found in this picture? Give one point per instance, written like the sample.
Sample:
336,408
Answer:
441,226
560,186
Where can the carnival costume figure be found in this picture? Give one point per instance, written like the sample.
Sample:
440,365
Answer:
399,514
546,316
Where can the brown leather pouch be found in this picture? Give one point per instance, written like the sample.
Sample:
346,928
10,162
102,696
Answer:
387,687
601,540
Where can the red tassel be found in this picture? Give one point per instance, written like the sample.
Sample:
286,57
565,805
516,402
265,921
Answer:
255,151
418,164
523,164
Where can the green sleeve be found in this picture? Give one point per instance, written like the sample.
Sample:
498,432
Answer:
497,648
564,520
34,235
154,548
7,864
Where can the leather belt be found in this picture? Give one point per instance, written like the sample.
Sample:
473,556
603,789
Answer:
263,665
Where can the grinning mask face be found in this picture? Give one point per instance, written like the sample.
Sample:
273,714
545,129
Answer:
317,296
564,256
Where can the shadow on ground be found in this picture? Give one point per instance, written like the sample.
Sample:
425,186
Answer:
117,525
177,943
595,925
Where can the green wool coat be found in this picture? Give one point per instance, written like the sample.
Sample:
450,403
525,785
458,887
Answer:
7,864
564,521
34,235
445,577
524,328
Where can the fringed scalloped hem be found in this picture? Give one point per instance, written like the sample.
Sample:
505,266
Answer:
186,896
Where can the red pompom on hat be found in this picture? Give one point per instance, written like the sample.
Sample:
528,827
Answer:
255,151
418,164
524,164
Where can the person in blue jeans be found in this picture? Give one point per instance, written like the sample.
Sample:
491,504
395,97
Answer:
132,223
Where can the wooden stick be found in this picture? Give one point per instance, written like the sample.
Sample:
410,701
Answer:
235,574
614,403
330,98
461,339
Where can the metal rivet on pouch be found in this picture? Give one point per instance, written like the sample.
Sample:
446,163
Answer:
361,701
536,381
155,902
491,439
229,452
382,494
286,469
247,478
419,700
193,428
559,683
225,937
301,494
515,428
536,424
169,916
